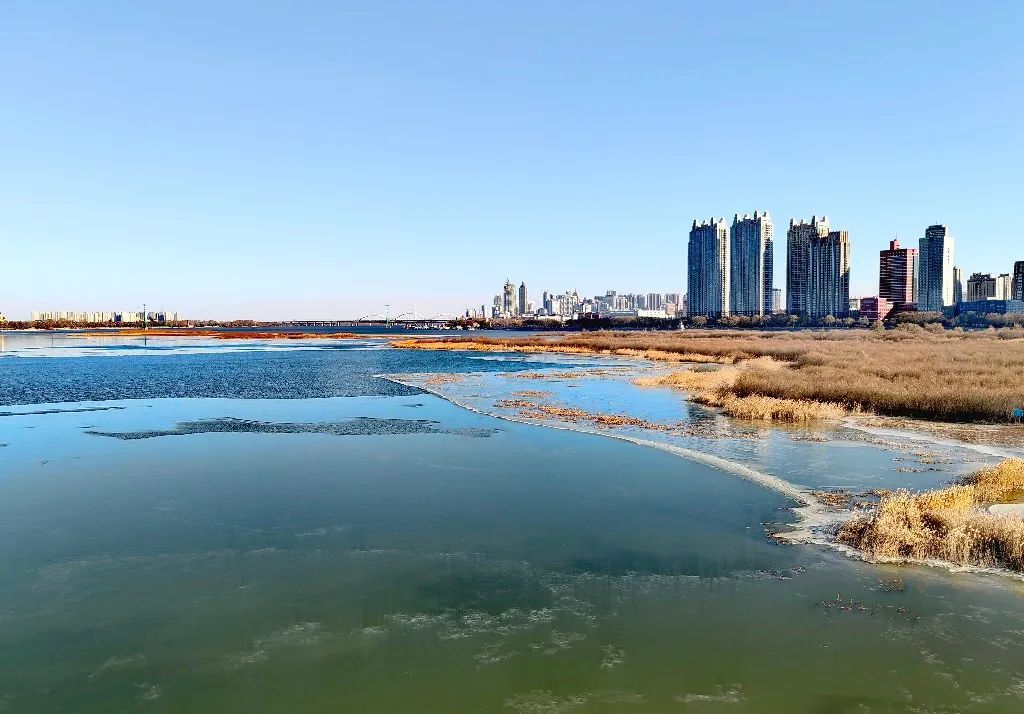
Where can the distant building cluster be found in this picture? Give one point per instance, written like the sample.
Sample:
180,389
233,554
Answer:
926,279
99,318
513,302
730,272
731,268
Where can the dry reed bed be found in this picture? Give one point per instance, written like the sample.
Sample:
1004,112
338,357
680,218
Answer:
943,376
949,524
532,410
717,388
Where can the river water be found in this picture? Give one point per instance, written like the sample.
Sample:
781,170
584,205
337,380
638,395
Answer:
195,525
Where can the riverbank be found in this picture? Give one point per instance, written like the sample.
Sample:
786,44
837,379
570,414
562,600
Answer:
955,377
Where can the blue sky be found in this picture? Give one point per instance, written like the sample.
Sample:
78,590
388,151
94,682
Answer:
318,159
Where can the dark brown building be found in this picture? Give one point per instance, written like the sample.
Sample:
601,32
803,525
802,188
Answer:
875,309
897,275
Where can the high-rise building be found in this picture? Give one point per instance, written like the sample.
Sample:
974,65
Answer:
829,275
817,269
958,285
935,272
655,301
508,299
1004,287
523,301
981,286
751,264
798,243
777,300
897,274
1018,280
673,304
708,269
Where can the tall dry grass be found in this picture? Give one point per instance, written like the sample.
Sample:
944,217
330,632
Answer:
948,524
909,372
716,388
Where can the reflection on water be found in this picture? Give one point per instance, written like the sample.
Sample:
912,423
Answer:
262,560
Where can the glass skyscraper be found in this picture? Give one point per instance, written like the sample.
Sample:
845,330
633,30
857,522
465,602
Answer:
935,272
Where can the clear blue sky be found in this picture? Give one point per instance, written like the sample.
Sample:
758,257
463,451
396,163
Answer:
317,159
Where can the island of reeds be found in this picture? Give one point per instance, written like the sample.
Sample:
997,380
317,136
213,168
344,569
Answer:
952,524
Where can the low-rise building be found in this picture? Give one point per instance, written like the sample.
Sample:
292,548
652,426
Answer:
980,286
875,309
993,306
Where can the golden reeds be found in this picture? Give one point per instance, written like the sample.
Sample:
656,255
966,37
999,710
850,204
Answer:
910,372
716,388
950,524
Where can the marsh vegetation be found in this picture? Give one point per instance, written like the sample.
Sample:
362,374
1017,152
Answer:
951,524
934,374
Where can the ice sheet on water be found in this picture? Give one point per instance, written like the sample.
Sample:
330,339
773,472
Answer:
360,426
58,410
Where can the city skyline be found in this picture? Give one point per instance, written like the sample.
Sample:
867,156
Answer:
817,268
342,171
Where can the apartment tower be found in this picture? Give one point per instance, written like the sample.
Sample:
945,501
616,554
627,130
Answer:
982,286
751,258
798,244
708,269
829,275
1004,287
1018,280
